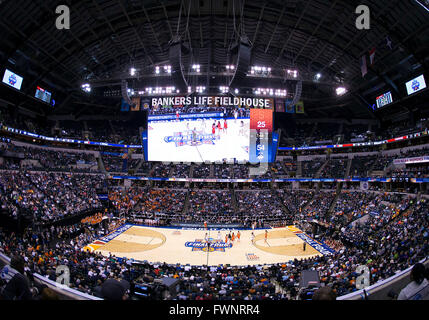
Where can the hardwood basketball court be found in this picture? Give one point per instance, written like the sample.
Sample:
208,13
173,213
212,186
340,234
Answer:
186,246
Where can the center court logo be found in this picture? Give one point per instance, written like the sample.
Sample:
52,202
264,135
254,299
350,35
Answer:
181,139
12,80
415,85
201,245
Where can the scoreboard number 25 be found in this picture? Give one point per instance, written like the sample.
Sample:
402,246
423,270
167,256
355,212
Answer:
261,124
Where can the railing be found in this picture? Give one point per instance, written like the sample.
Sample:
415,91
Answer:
381,288
378,288
62,290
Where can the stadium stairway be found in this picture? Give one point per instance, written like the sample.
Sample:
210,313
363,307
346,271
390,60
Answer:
211,170
349,165
100,162
334,201
186,204
299,169
282,163
369,172
317,175
191,170
139,165
234,201
309,201
276,195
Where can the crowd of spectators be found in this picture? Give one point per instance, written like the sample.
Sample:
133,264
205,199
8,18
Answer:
396,246
319,206
295,200
212,206
261,205
201,171
160,170
180,170
222,171
335,168
48,196
394,237
361,165
311,167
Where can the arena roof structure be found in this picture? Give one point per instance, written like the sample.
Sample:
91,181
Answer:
314,42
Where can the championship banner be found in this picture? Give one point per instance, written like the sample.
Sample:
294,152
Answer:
135,106
300,107
289,107
280,106
125,107
145,104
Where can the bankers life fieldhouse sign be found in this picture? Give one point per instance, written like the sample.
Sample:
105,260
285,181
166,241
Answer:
213,101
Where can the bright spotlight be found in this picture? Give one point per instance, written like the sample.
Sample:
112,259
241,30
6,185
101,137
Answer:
340,91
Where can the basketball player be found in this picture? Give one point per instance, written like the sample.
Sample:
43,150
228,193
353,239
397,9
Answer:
206,237
266,235
235,115
203,125
233,237
177,116
205,225
181,139
238,236
219,127
252,237
187,126
219,236
213,128
303,246
194,136
225,126
241,131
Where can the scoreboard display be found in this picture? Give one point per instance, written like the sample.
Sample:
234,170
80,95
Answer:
43,94
384,99
261,129
234,135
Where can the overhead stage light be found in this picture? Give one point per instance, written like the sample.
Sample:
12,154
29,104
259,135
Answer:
340,91
86,87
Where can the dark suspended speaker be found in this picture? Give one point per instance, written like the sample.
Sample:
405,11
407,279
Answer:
298,92
124,92
242,65
175,56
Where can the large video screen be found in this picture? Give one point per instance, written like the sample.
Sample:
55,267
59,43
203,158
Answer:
416,84
384,99
12,79
43,94
199,137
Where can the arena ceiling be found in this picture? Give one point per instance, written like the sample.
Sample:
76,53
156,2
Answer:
107,37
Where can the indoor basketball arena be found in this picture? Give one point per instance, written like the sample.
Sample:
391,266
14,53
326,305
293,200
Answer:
219,150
